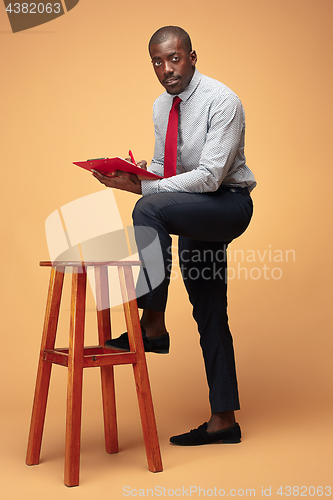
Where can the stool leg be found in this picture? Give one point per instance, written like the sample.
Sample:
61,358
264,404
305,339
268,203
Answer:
140,370
44,368
107,372
75,376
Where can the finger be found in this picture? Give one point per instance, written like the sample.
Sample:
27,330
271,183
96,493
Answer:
101,175
142,164
96,174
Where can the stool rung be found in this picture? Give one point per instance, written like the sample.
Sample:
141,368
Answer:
117,358
96,356
58,358
87,350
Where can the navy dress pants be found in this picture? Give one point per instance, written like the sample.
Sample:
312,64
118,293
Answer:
205,224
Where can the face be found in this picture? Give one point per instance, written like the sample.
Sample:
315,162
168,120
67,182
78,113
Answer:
174,66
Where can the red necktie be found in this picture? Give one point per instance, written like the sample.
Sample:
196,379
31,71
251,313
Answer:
170,153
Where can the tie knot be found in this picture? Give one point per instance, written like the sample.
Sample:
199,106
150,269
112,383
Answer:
176,101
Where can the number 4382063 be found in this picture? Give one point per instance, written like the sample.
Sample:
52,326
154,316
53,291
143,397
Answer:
34,8
304,491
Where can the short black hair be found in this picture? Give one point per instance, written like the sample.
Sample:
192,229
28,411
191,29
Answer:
163,34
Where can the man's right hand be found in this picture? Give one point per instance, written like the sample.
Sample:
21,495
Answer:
142,163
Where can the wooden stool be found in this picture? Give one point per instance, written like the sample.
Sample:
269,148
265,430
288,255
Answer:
77,357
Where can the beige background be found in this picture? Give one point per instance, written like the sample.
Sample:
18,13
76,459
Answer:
81,87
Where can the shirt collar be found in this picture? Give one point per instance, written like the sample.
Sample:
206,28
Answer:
194,82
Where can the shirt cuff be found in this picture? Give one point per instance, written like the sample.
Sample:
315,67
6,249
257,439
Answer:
149,187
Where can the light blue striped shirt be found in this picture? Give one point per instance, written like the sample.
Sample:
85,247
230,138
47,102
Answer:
210,140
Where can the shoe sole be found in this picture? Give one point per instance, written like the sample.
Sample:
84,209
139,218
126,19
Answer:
230,442
203,444
162,351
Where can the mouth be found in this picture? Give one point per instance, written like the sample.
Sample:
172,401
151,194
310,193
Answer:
171,81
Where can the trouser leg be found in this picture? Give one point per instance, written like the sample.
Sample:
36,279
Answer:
204,271
154,244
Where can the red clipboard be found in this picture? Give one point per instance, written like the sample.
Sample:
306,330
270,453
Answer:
108,165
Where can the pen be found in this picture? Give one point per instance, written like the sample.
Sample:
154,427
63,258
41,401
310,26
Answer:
132,157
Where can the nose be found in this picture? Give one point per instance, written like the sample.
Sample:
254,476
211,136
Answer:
168,69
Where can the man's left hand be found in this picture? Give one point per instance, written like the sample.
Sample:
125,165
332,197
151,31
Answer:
120,180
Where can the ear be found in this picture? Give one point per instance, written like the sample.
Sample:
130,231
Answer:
193,57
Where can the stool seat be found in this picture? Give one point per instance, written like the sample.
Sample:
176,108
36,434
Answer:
76,357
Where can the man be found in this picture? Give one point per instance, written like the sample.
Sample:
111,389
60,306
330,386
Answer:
207,203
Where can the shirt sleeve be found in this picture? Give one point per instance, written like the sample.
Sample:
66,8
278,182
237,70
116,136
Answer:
225,131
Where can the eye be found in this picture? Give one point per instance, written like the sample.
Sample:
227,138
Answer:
175,58
156,63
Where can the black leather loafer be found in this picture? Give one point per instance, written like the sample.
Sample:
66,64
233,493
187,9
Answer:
200,435
160,345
